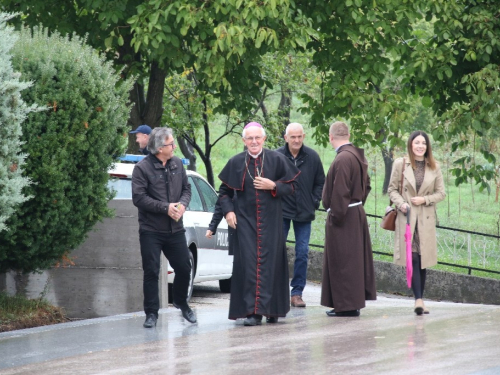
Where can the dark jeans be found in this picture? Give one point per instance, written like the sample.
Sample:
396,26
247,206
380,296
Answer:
302,232
175,249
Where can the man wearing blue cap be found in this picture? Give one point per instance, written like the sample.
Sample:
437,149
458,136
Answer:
142,137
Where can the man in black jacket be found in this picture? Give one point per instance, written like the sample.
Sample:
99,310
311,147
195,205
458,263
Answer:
161,192
300,207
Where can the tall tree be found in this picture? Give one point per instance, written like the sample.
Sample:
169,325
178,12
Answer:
221,44
457,74
222,40
357,42
71,145
13,111
104,26
190,110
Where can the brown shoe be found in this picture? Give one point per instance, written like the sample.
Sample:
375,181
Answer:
297,301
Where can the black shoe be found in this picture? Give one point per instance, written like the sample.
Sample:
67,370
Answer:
272,319
187,313
150,321
253,320
343,313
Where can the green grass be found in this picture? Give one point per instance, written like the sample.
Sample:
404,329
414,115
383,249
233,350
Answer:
17,312
465,207
12,305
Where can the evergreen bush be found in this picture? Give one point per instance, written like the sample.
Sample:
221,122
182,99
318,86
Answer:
71,145
13,111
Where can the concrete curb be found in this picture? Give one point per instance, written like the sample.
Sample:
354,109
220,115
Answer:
440,285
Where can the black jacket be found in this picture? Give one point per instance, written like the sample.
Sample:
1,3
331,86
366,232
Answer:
301,206
216,218
154,188
214,224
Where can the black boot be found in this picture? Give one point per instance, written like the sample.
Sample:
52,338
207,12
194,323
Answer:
253,320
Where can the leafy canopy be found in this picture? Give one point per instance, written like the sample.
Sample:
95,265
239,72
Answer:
222,41
457,73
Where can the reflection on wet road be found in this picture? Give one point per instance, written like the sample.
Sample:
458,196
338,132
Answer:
387,338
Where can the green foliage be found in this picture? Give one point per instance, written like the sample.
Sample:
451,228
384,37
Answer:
288,75
458,68
193,112
13,111
102,22
222,40
18,312
71,146
190,111
357,44
14,305
374,58
104,26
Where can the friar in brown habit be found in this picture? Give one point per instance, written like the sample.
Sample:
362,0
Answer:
348,273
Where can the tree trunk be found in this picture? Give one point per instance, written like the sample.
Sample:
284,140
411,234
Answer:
285,106
21,280
388,156
147,110
204,155
188,152
262,105
210,174
265,113
139,101
189,145
208,147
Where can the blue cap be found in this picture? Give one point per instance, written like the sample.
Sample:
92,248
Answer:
144,129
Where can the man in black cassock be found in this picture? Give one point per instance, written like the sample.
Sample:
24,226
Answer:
259,177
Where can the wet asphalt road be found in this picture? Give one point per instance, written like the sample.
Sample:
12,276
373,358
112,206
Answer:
387,338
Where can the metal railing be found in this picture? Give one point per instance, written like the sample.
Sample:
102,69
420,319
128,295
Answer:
473,251
458,248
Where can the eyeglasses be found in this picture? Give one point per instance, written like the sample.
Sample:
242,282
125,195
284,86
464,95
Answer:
251,139
170,144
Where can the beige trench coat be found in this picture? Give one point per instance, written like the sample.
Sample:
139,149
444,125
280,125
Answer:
432,190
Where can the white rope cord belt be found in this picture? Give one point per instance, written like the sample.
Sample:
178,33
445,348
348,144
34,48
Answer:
355,204
351,205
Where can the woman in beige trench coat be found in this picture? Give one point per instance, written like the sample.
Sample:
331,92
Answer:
422,188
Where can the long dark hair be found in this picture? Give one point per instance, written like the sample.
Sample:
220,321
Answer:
429,158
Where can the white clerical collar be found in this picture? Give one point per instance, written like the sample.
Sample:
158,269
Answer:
256,156
338,148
